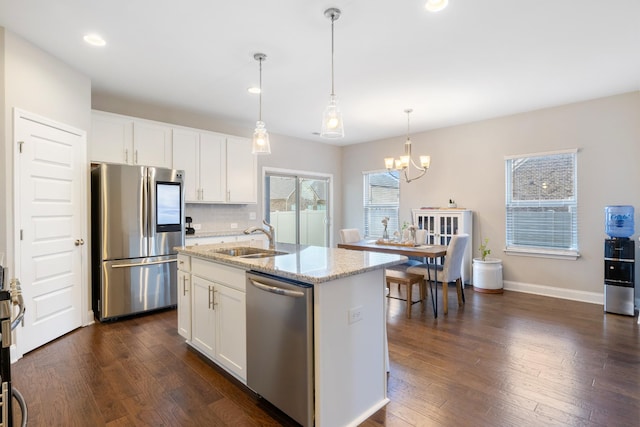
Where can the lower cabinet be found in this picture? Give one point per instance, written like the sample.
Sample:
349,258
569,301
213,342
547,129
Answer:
184,304
217,309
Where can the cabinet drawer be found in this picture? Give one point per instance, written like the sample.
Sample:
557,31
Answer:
184,263
219,273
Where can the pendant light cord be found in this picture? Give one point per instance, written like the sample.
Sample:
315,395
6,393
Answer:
260,97
333,18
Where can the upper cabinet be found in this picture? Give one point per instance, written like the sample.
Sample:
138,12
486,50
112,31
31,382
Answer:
242,171
202,157
218,168
128,140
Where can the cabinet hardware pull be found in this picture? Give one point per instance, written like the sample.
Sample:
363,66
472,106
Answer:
126,155
135,160
184,285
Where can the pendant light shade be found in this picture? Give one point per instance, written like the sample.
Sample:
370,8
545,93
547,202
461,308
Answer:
332,126
260,135
436,5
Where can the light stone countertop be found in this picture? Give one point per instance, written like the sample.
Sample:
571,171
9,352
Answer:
309,264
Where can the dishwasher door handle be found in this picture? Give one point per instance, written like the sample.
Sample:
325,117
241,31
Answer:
277,290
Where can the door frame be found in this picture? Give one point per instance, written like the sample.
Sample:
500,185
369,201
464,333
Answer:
15,260
305,174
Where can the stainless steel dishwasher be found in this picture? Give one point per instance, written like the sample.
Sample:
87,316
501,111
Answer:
280,344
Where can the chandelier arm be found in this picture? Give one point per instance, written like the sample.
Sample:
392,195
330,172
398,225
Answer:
406,175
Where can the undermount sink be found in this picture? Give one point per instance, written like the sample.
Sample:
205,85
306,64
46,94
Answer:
248,252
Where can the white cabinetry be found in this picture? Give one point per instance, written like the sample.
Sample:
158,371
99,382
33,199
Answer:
128,140
202,156
441,224
218,168
184,296
242,171
218,308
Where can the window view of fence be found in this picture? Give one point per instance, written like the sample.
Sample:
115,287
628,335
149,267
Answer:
381,199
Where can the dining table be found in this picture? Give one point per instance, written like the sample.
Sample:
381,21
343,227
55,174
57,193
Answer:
428,252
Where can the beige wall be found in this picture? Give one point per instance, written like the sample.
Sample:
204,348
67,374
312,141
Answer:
286,153
467,164
36,82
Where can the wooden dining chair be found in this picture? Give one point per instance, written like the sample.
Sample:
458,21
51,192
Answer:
450,271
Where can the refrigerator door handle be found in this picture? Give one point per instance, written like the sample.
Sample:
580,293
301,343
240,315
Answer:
142,264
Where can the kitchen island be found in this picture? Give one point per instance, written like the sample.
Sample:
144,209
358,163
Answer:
349,361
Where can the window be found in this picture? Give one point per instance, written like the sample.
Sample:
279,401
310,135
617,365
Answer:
541,204
381,199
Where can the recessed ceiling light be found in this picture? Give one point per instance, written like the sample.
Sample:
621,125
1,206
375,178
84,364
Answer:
254,90
436,5
94,40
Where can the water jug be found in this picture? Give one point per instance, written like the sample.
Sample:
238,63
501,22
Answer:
619,221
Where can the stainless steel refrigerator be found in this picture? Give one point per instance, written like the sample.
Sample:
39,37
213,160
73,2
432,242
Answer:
137,218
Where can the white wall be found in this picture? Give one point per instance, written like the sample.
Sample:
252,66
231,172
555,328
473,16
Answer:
467,164
39,83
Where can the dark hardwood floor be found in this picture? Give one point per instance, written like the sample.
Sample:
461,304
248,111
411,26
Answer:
501,360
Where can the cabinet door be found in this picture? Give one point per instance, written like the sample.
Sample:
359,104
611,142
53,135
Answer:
242,171
231,345
203,315
212,167
151,144
186,145
111,138
184,304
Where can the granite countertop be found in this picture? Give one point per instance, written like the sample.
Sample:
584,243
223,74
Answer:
309,264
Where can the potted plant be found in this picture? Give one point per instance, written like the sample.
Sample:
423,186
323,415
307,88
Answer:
487,272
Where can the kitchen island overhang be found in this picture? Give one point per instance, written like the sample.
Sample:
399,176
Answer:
349,316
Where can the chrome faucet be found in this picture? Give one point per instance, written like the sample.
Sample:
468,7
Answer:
269,233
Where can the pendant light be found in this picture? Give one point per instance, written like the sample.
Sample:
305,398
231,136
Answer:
436,5
332,126
405,162
260,136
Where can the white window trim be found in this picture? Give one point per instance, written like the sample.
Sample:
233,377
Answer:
543,252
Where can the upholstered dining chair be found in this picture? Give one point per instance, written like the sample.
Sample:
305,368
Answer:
450,271
350,235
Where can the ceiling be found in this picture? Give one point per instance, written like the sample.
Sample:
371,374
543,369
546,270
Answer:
472,61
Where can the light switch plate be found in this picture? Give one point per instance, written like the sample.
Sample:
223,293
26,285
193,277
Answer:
234,225
355,314
252,215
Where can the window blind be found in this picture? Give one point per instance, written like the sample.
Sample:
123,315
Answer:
541,203
381,199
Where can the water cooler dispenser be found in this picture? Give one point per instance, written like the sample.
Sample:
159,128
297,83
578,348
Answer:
619,261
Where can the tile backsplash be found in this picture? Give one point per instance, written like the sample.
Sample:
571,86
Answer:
219,218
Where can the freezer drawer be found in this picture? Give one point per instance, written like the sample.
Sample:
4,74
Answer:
136,285
619,299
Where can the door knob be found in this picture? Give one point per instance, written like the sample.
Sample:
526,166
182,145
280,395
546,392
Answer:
79,242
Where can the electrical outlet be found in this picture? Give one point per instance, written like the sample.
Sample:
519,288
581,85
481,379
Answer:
234,225
355,314
252,215
196,226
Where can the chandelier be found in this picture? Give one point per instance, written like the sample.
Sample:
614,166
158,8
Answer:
405,162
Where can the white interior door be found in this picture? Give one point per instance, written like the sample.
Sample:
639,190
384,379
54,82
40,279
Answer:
50,232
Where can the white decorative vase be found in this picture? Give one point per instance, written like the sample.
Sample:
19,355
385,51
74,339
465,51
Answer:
487,275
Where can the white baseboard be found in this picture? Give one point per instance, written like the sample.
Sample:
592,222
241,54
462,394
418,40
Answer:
89,319
550,291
